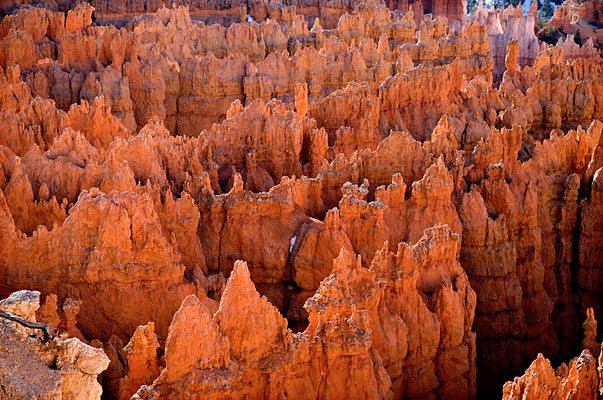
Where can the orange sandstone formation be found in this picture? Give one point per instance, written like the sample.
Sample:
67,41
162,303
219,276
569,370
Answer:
579,380
247,337
504,27
182,85
243,200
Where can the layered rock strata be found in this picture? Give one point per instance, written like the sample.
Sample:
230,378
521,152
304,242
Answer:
267,210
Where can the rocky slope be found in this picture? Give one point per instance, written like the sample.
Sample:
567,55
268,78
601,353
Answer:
34,367
372,205
578,18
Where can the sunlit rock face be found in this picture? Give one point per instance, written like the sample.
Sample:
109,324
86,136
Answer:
34,367
311,200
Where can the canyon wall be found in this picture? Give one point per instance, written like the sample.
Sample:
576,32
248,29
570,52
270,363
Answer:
272,210
198,74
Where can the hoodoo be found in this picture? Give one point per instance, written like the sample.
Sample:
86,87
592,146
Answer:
375,199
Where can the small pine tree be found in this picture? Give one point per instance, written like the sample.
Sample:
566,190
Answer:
541,21
547,9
